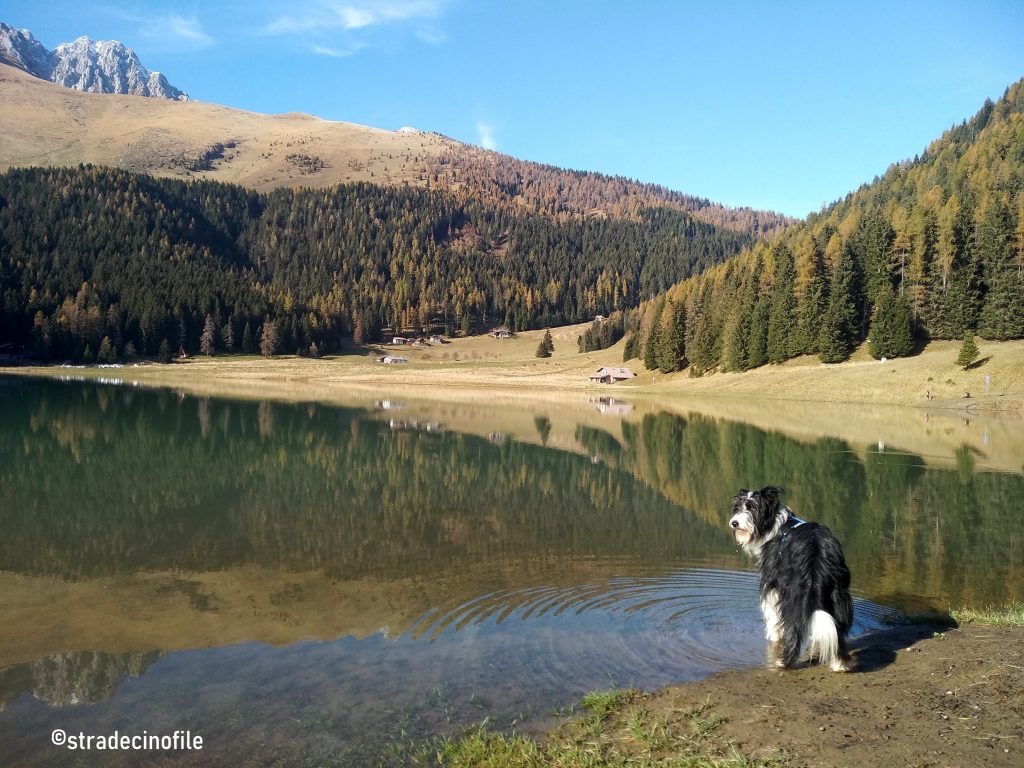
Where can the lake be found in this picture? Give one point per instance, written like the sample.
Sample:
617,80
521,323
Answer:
317,585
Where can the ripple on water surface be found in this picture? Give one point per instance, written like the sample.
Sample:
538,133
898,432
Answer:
644,630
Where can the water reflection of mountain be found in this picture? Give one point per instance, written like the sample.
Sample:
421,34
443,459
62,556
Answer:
66,679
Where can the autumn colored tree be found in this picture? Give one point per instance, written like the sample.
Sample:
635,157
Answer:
268,338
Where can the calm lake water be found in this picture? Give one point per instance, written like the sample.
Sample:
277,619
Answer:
315,585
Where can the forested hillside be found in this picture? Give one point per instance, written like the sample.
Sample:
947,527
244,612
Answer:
97,263
934,248
559,192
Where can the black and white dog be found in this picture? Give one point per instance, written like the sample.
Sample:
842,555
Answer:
805,582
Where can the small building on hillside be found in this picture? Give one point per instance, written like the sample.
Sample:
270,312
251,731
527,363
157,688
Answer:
392,359
608,375
400,341
501,333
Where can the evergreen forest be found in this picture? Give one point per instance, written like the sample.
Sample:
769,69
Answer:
102,264
932,249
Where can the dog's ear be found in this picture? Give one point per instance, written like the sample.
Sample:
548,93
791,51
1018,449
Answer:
771,493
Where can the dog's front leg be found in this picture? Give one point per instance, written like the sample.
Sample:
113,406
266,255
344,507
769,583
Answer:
772,616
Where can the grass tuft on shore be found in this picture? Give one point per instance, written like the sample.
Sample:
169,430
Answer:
1011,615
1000,616
617,730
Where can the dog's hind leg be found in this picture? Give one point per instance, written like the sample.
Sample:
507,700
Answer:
792,642
827,642
842,662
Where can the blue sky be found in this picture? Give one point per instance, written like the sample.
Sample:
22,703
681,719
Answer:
780,105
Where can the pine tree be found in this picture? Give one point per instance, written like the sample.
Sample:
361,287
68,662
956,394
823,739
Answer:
757,341
968,351
165,355
268,338
670,352
839,326
1002,311
653,342
359,332
872,247
107,353
960,295
803,339
248,342
227,335
734,347
207,341
924,233
737,331
700,342
630,350
780,316
891,327
314,350
546,346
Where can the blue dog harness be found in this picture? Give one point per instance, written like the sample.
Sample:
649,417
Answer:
792,523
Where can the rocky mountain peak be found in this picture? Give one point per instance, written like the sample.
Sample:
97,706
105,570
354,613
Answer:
20,49
103,66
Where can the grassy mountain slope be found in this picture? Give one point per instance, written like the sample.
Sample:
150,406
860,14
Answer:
44,124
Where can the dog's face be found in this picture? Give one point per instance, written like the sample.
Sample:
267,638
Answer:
754,514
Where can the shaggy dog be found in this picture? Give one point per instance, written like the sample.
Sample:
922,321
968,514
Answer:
805,582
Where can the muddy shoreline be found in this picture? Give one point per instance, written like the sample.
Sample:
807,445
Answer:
922,696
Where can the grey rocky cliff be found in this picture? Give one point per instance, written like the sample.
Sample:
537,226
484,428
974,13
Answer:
104,66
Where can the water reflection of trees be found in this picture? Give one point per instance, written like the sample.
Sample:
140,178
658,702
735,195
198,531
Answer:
159,482
99,481
913,534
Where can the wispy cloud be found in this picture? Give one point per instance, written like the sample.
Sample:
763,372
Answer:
188,29
335,53
170,30
485,135
431,34
343,27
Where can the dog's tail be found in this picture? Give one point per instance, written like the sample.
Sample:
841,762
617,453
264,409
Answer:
826,644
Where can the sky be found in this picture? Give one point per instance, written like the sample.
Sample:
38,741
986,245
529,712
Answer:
779,105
